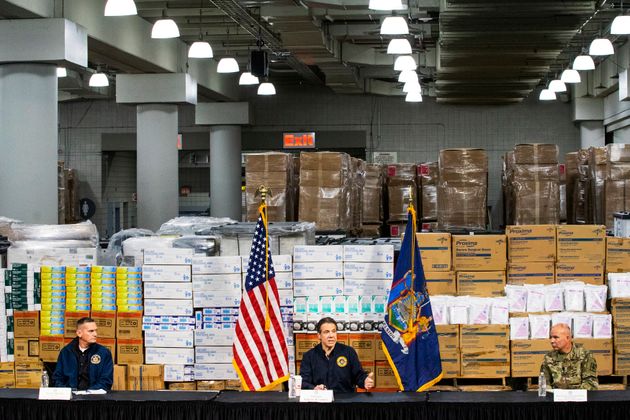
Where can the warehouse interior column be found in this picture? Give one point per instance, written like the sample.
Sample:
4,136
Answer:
226,119
31,51
157,155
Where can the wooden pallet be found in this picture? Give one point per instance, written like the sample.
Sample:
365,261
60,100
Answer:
472,384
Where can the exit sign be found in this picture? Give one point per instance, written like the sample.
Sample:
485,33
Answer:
298,140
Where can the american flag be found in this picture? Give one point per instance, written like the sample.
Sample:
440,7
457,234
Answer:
260,349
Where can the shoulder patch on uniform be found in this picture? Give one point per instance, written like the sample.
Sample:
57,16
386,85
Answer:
342,361
96,359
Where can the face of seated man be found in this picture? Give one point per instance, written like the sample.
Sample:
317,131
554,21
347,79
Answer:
328,336
87,334
561,338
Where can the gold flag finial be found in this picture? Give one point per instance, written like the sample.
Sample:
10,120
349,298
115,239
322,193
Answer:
263,192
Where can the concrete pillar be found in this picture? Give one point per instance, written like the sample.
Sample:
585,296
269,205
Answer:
592,134
225,171
30,50
157,164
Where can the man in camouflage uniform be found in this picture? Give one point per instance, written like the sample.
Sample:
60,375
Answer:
569,365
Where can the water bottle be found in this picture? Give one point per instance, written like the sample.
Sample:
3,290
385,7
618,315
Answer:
45,379
542,385
292,387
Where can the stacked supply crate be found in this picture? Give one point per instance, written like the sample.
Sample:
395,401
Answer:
216,297
168,321
596,192
535,184
373,200
401,191
274,171
4,330
427,191
53,302
581,253
357,185
617,183
325,192
462,189
581,196
571,179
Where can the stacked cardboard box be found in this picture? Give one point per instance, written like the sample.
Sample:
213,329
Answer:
617,255
435,252
462,189
427,191
531,254
325,191
103,287
485,351
581,197
535,184
480,262
128,292
617,183
273,170
145,377
78,281
571,178
4,336
373,199
357,185
401,191
7,375
581,253
596,191
53,300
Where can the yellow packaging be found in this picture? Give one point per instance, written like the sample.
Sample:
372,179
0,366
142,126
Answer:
479,252
480,338
448,337
531,273
527,356
581,243
531,242
617,255
440,282
481,283
602,350
435,251
588,272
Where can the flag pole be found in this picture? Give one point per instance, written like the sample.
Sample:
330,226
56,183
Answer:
410,208
264,191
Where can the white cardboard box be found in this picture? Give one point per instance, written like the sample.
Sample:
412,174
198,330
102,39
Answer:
362,287
213,354
184,339
326,287
166,273
367,270
208,282
317,253
214,336
281,263
368,253
318,270
161,290
168,256
208,372
169,356
216,265
179,373
216,299
177,307
284,280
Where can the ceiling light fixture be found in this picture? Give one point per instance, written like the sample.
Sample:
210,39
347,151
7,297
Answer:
407,75
228,65
547,95
201,48
405,62
99,79
399,46
164,28
62,72
394,25
247,79
621,24
266,89
120,8
385,5
601,46
413,97
412,86
557,86
583,62
570,76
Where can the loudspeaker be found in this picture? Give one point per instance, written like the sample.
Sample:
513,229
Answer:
258,62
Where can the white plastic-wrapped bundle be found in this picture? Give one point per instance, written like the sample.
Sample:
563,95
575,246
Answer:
573,296
133,248
562,318
519,328
595,297
479,310
85,232
5,225
191,225
517,297
535,297
582,325
458,310
539,326
554,298
602,325
619,285
439,307
500,311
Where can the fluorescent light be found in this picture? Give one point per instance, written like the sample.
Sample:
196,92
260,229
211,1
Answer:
557,86
583,62
165,28
394,25
227,65
386,5
266,89
120,8
98,79
62,72
399,46
601,46
412,86
570,76
404,62
547,95
620,26
413,97
407,75
200,49
247,79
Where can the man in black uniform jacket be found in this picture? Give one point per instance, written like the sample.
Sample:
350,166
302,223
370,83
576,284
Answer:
332,365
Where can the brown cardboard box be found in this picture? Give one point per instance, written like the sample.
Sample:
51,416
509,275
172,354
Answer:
110,344
435,251
485,364
106,323
481,283
363,344
448,337
479,338
120,378
70,323
427,183
536,153
581,243
602,350
235,385
210,385
479,252
379,354
617,255
129,351
621,336
145,377
622,363
303,343
50,346
451,364
384,377
7,375
531,243
440,282
616,198
620,310
25,348
588,272
26,324
531,272
129,324
28,373
182,386
527,356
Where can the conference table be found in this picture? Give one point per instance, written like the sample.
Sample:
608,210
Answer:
23,404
